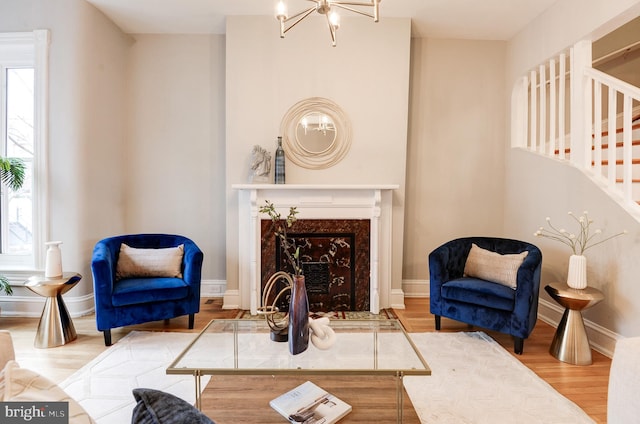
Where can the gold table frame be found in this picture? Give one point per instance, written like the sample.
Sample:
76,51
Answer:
243,347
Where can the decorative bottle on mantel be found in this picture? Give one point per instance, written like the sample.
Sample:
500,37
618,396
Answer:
279,163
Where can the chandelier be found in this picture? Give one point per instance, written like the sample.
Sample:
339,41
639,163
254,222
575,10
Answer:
326,8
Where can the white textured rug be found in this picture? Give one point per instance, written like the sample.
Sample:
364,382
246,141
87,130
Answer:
103,386
474,380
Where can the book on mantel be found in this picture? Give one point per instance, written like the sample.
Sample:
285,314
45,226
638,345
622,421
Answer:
310,404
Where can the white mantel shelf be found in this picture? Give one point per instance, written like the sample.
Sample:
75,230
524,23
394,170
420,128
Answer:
315,186
316,201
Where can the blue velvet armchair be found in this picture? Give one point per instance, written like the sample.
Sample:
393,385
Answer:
485,303
126,301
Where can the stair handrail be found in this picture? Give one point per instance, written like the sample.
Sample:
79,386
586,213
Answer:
538,118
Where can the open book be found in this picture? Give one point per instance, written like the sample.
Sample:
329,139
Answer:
310,404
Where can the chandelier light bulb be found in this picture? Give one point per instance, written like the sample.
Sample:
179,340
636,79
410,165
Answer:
334,19
281,10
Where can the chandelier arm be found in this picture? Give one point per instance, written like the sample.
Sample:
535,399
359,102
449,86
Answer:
300,16
345,5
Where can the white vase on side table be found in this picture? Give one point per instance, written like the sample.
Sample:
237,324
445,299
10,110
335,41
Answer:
577,276
53,260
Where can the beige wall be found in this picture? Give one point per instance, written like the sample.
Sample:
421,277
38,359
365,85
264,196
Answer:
455,160
174,154
367,75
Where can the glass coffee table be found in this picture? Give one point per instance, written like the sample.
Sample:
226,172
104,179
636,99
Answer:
243,347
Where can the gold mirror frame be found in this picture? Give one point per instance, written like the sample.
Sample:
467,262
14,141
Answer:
297,152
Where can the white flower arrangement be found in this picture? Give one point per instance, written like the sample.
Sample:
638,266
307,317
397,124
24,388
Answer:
578,242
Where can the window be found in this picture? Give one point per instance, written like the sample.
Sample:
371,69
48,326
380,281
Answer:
17,207
23,71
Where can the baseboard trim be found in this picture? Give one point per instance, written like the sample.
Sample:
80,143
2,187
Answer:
213,288
415,288
231,299
397,298
31,306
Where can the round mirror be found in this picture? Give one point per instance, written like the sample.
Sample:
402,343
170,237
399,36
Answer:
316,133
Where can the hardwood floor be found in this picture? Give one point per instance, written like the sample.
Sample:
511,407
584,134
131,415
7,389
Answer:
586,386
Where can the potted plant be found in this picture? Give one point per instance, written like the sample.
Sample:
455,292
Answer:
12,174
585,238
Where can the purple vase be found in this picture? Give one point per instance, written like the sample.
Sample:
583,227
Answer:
298,316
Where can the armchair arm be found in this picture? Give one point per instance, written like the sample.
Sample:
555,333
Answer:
103,269
445,263
527,292
192,262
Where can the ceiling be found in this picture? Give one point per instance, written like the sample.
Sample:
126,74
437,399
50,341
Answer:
462,19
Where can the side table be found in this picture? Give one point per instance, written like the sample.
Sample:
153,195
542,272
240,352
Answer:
571,343
55,327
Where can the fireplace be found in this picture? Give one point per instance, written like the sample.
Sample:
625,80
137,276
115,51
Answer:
327,204
335,258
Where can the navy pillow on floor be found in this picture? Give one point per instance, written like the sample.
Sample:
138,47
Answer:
156,407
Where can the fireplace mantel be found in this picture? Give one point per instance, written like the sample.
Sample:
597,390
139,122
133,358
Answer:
316,201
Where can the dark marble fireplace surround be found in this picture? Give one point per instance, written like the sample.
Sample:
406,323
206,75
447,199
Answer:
336,261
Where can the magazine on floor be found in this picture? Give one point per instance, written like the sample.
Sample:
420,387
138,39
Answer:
310,404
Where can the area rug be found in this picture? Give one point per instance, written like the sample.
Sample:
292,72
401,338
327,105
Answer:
140,359
475,380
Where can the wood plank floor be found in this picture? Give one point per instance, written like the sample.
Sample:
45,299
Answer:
586,386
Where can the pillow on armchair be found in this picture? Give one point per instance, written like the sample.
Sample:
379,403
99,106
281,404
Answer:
492,266
134,262
157,407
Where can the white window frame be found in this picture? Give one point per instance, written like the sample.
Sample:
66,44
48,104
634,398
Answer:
32,49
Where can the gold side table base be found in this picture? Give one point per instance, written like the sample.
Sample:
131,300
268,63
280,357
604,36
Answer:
570,343
55,327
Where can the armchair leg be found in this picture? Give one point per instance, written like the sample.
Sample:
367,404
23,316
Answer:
518,345
107,337
191,320
437,317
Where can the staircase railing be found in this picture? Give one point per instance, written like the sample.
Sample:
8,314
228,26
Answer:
566,109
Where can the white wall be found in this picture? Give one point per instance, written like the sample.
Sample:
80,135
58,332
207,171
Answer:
455,160
537,187
367,75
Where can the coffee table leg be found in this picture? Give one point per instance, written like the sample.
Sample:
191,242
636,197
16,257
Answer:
198,376
400,395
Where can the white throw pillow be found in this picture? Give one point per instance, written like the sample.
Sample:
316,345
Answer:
143,263
492,266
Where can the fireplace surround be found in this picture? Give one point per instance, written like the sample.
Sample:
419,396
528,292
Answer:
314,201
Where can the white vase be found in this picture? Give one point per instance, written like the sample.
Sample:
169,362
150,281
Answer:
577,276
53,261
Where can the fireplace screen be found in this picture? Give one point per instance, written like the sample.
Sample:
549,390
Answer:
334,255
